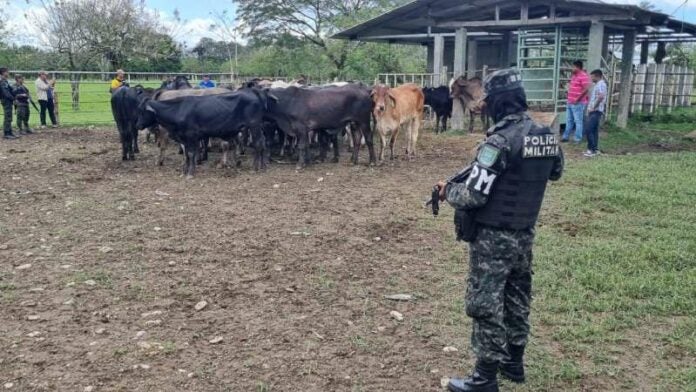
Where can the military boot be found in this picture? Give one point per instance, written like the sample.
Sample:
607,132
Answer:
482,380
513,369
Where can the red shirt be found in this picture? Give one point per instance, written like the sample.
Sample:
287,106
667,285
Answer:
578,84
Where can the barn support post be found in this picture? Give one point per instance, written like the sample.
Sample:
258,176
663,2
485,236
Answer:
596,46
460,43
439,57
460,49
644,52
471,59
629,42
505,49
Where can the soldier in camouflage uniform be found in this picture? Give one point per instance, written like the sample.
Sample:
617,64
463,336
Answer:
21,94
503,195
7,98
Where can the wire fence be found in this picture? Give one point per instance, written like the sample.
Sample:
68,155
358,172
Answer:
83,97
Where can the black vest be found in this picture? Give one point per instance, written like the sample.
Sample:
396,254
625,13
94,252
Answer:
516,197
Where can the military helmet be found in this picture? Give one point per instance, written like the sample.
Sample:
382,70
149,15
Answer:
502,80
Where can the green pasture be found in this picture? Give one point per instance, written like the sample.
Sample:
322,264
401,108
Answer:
94,108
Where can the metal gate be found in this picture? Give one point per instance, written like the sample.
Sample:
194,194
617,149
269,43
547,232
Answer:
544,58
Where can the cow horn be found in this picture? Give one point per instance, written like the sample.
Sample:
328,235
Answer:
149,108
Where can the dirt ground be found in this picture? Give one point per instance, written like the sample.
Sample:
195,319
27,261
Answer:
105,264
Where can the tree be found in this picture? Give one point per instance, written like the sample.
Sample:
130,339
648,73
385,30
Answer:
227,28
113,32
312,21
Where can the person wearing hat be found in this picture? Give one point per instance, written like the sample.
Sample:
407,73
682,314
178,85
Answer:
502,196
118,81
7,99
22,98
44,93
206,82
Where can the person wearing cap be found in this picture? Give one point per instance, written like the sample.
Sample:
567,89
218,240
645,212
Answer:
206,82
7,99
118,81
22,98
44,94
502,195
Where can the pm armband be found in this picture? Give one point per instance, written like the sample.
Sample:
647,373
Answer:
481,179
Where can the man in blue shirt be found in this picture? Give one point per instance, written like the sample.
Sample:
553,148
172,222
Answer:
206,82
595,111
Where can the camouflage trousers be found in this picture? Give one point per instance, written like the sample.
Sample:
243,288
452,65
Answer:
22,117
499,290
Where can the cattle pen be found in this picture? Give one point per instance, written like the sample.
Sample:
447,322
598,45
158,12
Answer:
541,39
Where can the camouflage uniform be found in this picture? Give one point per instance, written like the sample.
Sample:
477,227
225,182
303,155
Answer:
7,98
503,193
22,105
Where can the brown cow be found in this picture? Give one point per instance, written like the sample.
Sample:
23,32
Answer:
394,108
470,94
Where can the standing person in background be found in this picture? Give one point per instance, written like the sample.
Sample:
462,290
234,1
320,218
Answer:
595,111
118,81
22,98
7,99
578,90
206,82
45,95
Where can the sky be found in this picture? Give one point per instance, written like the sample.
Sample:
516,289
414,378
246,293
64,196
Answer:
195,14
197,18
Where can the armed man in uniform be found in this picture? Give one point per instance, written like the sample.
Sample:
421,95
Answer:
496,211
7,99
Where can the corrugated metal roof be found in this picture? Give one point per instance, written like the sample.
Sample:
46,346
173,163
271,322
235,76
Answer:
417,17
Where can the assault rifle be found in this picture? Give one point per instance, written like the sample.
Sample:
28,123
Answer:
434,201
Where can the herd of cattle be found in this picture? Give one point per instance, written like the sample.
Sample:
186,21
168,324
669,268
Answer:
284,116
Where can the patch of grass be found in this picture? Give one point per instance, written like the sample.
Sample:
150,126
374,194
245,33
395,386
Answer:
101,277
7,292
656,133
627,268
94,108
168,347
322,280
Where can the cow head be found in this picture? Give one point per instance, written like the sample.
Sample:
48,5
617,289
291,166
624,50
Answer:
382,99
466,90
146,114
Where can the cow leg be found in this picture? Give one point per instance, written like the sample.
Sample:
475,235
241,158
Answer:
437,123
203,147
303,148
136,150
368,135
356,132
349,137
259,141
392,141
162,137
192,151
444,124
334,140
185,165
383,136
415,130
323,145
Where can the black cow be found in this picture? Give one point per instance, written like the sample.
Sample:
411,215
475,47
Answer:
298,111
124,107
440,100
192,118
